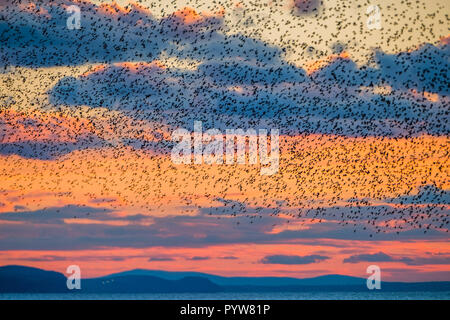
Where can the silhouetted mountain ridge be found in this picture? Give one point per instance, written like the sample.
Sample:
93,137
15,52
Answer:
332,279
26,279
21,279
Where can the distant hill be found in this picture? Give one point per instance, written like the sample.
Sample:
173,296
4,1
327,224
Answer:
326,280
26,279
33,280
148,284
20,279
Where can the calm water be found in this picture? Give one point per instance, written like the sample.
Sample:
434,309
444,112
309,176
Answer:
233,296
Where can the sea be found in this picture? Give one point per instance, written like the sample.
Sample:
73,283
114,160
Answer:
375,295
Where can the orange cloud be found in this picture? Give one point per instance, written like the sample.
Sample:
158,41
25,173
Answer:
445,40
188,19
134,67
38,127
113,9
316,65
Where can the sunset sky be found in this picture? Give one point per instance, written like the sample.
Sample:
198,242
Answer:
86,118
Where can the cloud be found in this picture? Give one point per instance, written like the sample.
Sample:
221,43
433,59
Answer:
343,71
36,39
229,258
374,257
424,69
57,215
428,194
339,98
187,20
38,36
152,259
53,258
103,200
420,261
242,73
51,135
45,258
198,258
44,136
74,227
382,257
149,84
19,208
245,80
287,259
305,7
